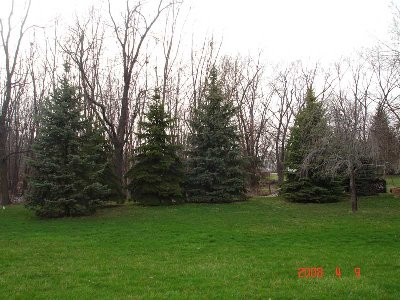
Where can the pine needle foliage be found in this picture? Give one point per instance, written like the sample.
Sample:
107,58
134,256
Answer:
157,172
215,165
66,163
309,183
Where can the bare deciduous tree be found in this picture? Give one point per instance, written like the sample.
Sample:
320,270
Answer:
11,62
287,96
243,81
116,102
346,149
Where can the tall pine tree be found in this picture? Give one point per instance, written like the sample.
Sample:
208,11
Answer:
384,141
64,180
307,182
97,151
157,172
215,163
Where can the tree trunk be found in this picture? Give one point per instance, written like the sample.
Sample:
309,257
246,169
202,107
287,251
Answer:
4,194
279,171
10,70
119,163
121,133
353,190
279,164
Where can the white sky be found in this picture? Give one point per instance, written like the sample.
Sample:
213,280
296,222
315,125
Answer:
284,30
292,29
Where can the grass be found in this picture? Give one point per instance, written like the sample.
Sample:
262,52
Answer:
392,181
248,250
273,176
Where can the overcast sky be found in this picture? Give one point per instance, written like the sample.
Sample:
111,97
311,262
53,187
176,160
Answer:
290,29
284,30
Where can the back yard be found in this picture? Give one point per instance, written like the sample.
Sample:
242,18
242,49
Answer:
245,250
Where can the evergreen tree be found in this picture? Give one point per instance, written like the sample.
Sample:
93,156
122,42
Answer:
368,181
157,172
97,151
63,181
384,141
308,183
215,164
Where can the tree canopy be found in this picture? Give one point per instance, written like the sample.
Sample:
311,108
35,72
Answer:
66,166
306,179
157,172
215,163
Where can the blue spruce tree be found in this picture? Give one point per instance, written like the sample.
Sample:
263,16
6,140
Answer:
215,165
66,171
157,172
307,181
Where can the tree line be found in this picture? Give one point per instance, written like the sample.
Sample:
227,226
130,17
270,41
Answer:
129,68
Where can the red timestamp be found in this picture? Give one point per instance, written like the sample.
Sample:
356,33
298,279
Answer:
318,272
314,272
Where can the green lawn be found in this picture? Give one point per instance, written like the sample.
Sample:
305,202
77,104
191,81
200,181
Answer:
392,181
248,250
